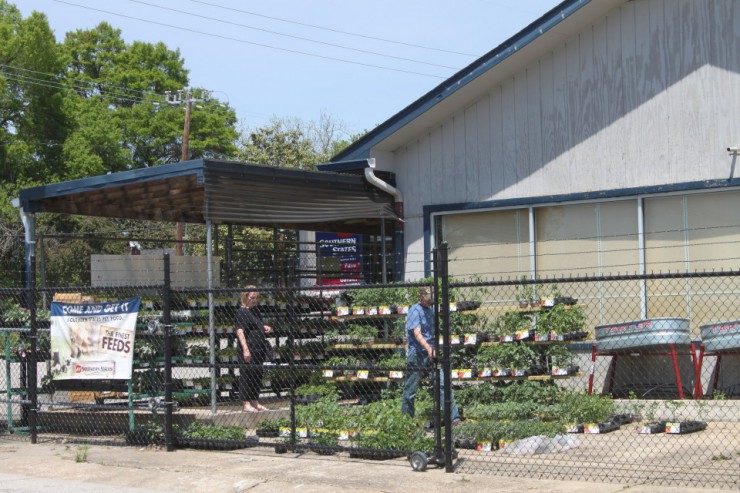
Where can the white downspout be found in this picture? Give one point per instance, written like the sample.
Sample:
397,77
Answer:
398,205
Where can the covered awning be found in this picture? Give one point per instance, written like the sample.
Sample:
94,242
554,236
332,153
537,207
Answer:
222,192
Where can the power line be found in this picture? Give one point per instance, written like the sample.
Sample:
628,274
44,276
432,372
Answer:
65,84
200,16
229,38
334,30
91,82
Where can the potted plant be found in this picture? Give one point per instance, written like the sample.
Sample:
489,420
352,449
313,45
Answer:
560,360
324,442
271,427
202,435
580,411
561,320
517,357
508,324
310,392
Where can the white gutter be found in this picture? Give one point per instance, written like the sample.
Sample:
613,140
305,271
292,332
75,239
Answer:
396,193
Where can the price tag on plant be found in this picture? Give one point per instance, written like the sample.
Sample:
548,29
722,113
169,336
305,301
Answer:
485,372
674,428
395,374
453,307
385,310
328,373
484,446
455,339
363,374
471,339
342,311
592,428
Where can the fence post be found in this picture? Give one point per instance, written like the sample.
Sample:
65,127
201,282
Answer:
31,359
291,302
166,322
447,386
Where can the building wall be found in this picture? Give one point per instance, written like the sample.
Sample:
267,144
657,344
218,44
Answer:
647,95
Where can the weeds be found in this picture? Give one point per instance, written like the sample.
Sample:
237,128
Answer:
81,455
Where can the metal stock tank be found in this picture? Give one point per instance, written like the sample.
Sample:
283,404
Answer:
721,336
643,333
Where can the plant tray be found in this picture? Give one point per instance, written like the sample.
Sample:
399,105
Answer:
268,433
684,427
376,454
574,428
204,444
651,428
307,399
599,428
322,450
623,419
465,443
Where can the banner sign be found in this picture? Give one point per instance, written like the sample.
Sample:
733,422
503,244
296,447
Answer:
91,341
345,251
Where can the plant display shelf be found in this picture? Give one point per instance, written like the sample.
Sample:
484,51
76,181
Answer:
531,378
532,342
339,347
362,379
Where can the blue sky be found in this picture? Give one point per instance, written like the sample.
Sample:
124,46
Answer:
357,61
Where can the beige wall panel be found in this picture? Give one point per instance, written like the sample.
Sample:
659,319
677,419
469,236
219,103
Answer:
566,240
714,231
493,245
665,249
619,237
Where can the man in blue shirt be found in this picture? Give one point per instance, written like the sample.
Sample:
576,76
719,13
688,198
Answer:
422,350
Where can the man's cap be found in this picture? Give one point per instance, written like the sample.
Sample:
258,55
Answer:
425,291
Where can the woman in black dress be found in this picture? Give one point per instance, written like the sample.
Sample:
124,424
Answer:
253,350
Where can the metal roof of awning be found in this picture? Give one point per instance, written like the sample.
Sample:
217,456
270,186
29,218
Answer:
222,192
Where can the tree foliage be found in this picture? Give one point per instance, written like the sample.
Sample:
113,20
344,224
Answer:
95,104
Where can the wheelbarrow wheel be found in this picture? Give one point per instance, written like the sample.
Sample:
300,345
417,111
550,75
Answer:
419,461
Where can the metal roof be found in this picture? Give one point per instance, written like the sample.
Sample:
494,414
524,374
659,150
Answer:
222,192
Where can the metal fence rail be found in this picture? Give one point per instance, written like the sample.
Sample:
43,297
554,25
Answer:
626,378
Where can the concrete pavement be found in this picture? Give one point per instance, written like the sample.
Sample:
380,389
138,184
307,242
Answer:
74,468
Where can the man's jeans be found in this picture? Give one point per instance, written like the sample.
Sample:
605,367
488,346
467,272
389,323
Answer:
411,386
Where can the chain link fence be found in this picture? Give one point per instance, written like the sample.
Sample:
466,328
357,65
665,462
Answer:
625,378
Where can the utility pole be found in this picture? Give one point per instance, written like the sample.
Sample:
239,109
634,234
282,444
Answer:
177,99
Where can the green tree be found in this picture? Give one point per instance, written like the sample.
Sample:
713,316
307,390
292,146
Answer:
293,143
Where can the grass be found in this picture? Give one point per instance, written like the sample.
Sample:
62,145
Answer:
81,455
